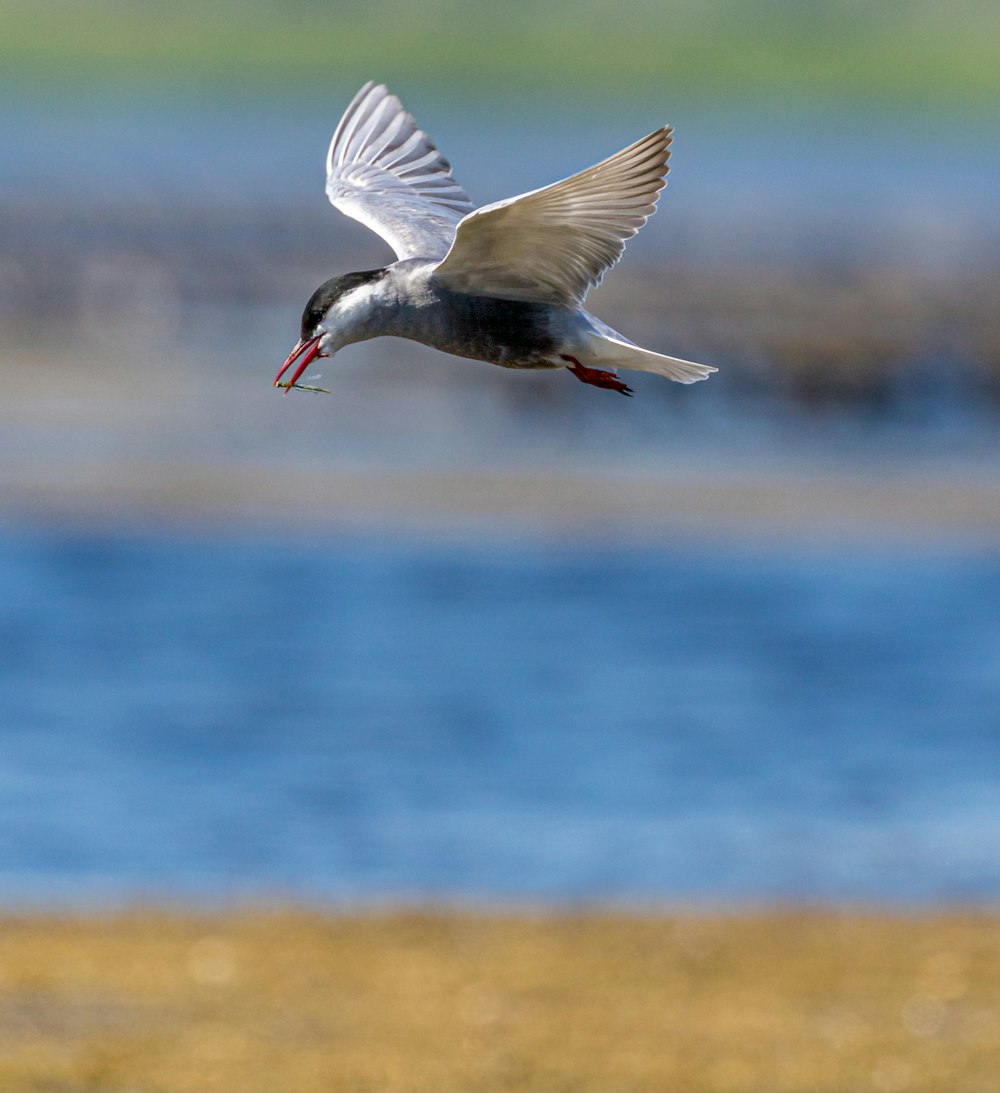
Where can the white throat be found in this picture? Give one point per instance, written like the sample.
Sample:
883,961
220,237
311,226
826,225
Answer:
354,317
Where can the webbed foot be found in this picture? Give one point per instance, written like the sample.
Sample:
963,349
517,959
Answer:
597,377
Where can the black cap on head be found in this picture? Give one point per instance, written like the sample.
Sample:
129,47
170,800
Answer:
329,292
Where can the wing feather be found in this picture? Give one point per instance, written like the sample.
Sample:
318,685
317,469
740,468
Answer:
552,245
385,172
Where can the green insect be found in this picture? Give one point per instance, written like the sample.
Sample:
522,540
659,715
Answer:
303,387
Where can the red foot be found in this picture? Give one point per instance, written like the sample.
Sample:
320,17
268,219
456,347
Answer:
597,377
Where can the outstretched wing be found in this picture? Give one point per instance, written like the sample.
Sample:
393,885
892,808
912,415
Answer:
384,171
554,244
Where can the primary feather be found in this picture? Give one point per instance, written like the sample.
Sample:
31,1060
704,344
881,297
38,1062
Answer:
383,170
552,245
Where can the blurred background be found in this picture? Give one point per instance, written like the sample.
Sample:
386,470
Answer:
455,634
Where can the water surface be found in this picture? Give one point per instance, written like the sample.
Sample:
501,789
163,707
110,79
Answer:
367,719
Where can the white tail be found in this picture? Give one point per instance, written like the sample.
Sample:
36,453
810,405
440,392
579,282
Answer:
621,354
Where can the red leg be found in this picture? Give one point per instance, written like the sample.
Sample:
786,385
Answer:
597,377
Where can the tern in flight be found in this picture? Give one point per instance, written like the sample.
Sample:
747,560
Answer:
504,283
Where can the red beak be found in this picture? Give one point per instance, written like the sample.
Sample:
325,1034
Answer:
307,346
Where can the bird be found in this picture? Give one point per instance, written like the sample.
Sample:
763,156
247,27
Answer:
504,283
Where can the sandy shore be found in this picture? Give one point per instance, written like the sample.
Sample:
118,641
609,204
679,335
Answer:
744,1003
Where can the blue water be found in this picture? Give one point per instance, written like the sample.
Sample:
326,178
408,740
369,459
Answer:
217,716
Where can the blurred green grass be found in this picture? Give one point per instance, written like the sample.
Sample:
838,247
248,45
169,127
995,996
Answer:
909,54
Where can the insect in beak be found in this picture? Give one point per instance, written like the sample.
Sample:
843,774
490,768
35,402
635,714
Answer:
308,350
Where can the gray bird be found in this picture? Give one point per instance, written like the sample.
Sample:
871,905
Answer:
504,283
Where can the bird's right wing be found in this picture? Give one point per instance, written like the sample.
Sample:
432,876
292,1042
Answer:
384,171
553,244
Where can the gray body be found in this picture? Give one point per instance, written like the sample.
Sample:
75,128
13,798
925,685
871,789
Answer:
406,300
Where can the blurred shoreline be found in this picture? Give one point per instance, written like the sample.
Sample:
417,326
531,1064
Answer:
418,441
793,506
404,1001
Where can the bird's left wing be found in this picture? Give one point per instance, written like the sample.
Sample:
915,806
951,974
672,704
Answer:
384,171
554,244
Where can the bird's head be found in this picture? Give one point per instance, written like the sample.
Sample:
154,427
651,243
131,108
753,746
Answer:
318,333
324,328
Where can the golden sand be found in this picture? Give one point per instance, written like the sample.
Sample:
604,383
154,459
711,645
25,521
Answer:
755,1003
